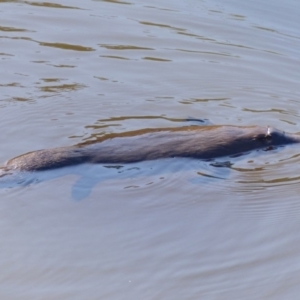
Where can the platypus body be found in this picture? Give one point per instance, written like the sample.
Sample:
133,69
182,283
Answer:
198,142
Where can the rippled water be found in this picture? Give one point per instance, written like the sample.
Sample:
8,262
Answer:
74,71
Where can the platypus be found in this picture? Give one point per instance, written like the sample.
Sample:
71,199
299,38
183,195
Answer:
207,142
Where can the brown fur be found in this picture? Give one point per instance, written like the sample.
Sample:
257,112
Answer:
192,141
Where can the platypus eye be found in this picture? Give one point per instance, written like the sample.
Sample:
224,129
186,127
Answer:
263,137
268,137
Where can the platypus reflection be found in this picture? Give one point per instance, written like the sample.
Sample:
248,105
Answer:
150,144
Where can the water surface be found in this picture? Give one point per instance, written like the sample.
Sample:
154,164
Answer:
73,72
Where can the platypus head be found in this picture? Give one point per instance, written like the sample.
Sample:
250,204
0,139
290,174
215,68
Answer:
275,137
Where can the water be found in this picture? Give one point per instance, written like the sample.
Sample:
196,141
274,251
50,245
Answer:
72,72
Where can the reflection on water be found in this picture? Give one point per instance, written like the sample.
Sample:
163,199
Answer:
67,46
124,47
74,71
48,4
90,175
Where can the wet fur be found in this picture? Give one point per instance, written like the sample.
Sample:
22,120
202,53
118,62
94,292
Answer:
206,142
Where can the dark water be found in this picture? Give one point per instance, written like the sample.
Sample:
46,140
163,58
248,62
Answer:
73,71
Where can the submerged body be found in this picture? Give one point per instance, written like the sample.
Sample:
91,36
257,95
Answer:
192,141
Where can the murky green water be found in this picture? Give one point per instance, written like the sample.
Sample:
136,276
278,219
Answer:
73,71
